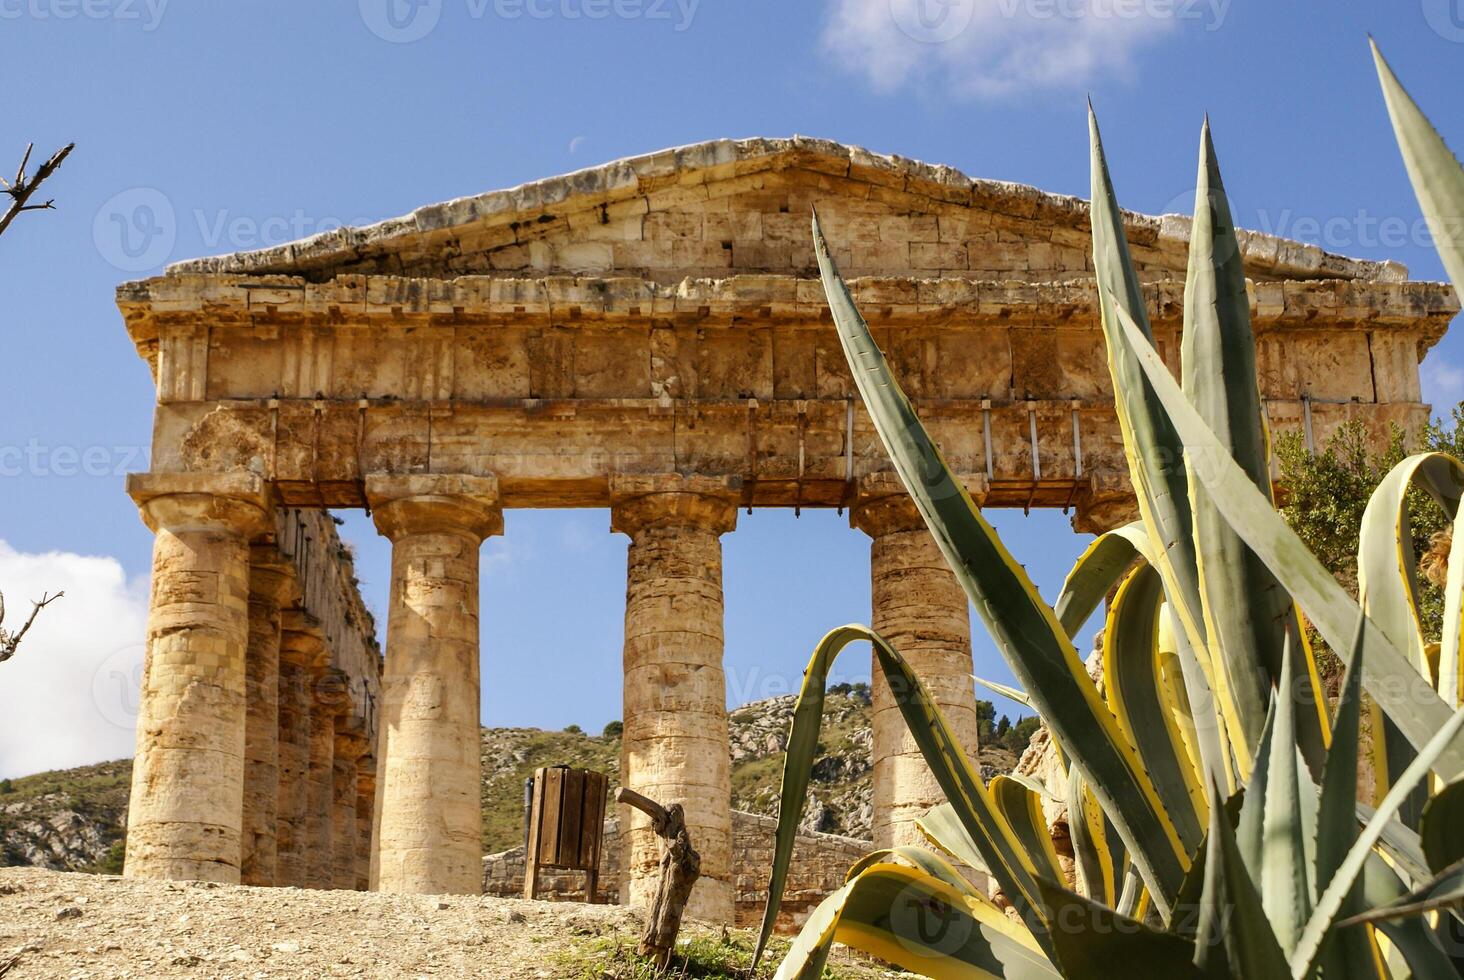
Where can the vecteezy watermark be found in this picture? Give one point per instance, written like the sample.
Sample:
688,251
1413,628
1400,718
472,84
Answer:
1446,18
147,13
939,21
36,459
137,229
405,21
117,685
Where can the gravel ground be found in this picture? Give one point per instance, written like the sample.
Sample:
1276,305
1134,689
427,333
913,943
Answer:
75,925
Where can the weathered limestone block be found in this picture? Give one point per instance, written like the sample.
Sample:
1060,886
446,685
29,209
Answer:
302,653
271,584
920,608
675,743
350,745
330,699
188,779
430,830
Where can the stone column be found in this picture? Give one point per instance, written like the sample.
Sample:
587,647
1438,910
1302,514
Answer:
365,819
328,703
351,743
920,608
430,837
184,818
271,584
302,653
675,745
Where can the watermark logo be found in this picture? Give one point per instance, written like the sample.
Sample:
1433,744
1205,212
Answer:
927,925
932,21
117,684
1446,18
136,229
148,13
401,21
405,21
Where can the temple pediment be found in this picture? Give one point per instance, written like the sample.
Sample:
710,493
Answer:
741,207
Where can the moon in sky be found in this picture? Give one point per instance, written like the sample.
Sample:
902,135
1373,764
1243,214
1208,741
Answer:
576,143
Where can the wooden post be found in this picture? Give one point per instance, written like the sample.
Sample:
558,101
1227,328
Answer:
680,868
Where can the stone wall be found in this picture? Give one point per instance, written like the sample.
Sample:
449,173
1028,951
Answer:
820,862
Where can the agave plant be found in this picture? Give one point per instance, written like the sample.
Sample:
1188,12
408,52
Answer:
1212,796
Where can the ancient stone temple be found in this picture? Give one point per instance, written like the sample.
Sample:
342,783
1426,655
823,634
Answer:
648,337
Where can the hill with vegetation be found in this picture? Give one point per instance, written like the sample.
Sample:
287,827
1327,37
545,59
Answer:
73,820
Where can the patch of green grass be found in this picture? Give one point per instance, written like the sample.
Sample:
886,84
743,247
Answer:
700,957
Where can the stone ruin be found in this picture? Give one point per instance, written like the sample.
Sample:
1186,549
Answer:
647,337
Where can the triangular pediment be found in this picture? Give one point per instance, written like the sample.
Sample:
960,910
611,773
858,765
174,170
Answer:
735,207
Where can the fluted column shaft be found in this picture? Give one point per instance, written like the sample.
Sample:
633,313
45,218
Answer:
350,745
675,744
365,819
430,838
302,652
184,818
920,608
271,584
329,701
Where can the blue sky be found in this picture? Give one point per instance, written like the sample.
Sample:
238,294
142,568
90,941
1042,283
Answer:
253,123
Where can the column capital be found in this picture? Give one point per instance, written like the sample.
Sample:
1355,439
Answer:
272,575
883,506
238,502
302,641
331,693
427,503
671,500
351,740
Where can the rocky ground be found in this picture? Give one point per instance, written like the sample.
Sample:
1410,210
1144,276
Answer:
74,925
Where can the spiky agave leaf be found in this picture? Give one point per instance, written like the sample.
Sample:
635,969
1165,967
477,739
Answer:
1245,609
1408,698
919,923
1003,856
1024,627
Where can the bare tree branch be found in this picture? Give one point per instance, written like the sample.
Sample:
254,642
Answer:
22,188
9,642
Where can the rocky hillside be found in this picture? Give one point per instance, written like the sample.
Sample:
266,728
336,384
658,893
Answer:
73,820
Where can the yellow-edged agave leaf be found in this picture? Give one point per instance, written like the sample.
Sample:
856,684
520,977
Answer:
1101,567
1198,717
1442,833
1451,665
1150,442
1003,856
1025,629
1233,936
944,830
1388,586
1097,941
1408,698
1004,690
921,924
1387,568
1131,679
1245,611
917,857
1173,692
1096,872
1021,805
1446,889
1437,177
1332,900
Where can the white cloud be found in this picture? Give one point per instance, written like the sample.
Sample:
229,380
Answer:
69,695
987,48
1443,383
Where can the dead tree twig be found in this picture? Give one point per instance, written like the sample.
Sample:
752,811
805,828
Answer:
680,867
21,189
9,642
